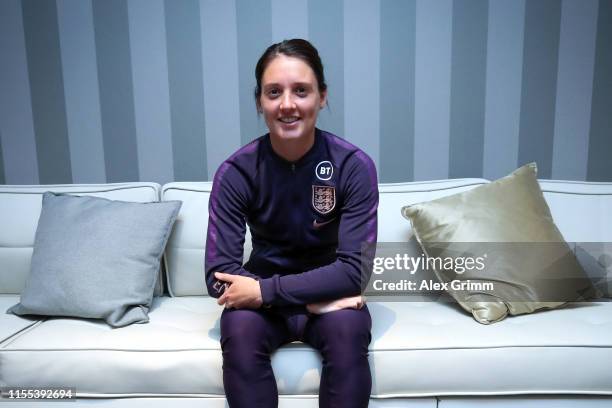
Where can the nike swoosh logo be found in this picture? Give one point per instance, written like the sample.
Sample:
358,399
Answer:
318,225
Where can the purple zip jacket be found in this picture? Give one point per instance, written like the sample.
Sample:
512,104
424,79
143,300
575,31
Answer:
309,221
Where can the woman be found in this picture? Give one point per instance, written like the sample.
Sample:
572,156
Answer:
310,200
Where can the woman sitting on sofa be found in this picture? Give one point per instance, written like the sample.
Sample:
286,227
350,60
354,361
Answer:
310,199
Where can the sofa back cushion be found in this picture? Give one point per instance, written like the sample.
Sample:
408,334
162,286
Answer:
185,249
19,212
583,213
392,227
581,210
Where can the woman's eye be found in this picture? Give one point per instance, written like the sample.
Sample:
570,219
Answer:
273,92
301,91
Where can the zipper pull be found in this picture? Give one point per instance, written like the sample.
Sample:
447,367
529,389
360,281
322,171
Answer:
293,167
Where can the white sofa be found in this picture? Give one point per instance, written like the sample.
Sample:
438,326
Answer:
423,354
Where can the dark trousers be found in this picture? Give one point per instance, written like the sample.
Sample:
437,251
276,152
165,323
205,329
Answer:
249,337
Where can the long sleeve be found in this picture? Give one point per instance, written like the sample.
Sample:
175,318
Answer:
227,209
348,275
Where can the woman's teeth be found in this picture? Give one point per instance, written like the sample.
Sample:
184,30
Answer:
288,120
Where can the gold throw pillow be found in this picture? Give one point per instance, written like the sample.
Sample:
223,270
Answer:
520,261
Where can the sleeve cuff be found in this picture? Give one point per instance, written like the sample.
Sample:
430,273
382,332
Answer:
267,287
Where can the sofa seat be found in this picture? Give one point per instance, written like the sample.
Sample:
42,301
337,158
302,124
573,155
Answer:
11,325
418,349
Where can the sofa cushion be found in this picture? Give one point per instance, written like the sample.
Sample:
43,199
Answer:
583,212
19,212
506,230
96,258
11,324
527,401
418,349
185,251
392,227
288,401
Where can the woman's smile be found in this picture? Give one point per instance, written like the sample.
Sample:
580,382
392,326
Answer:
289,120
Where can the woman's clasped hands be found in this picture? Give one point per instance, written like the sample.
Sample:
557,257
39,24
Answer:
243,292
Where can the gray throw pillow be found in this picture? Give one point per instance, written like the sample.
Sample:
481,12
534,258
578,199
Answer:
96,258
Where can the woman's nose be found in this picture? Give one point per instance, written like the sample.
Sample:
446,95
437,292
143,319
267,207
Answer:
287,102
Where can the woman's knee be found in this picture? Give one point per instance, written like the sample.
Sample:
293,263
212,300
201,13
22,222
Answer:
247,333
248,337
347,331
242,327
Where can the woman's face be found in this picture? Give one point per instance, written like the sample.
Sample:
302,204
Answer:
290,98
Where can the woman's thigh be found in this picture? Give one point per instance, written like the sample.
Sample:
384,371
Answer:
252,330
339,330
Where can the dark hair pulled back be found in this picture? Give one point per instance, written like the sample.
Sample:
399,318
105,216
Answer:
297,48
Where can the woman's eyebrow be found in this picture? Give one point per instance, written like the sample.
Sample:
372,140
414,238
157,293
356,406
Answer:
274,84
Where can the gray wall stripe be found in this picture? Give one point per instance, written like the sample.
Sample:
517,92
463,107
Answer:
362,75
546,93
254,23
151,95
75,19
289,19
2,178
116,90
184,48
326,32
540,59
600,142
220,44
19,142
432,90
503,87
468,78
574,89
47,90
397,48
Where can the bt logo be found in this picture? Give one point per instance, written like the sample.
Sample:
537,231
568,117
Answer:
324,170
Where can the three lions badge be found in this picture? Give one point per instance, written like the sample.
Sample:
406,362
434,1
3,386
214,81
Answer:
323,198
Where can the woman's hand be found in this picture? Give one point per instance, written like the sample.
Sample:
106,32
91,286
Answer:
242,292
354,302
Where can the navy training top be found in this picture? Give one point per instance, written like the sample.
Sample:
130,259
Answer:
309,221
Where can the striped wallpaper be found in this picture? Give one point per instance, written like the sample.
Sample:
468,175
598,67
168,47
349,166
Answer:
152,90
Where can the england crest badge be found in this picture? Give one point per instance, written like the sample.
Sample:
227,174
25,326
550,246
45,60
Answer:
323,198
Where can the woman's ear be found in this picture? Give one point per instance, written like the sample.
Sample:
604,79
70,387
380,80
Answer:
323,99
